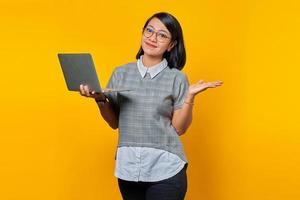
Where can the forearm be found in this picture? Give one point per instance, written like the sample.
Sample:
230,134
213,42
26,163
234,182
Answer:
183,118
109,114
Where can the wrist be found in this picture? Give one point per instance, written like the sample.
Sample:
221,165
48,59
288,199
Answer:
103,98
190,98
101,101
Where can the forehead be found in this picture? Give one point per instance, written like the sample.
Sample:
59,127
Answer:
157,25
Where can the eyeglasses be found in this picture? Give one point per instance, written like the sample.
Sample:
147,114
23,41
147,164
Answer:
160,36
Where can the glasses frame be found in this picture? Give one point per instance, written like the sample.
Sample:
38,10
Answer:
168,38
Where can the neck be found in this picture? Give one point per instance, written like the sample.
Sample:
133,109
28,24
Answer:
149,61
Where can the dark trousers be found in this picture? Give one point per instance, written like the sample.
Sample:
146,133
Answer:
173,188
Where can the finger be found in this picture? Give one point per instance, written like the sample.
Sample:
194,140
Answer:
86,90
212,85
81,90
219,83
216,84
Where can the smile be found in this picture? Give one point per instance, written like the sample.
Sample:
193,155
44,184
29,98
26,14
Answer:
150,45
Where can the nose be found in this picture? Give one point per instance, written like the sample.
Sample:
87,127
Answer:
153,37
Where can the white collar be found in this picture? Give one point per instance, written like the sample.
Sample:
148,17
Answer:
153,70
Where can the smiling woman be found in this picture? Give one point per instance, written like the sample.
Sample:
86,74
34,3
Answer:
150,160
168,35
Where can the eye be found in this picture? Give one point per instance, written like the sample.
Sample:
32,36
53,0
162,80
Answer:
162,35
149,30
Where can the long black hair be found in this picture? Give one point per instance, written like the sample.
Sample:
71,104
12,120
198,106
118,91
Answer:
176,57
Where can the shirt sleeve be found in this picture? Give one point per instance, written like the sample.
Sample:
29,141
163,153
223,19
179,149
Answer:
113,83
181,88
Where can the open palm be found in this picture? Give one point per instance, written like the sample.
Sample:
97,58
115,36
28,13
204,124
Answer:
201,86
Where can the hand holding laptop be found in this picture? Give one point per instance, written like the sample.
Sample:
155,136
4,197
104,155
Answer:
86,91
80,75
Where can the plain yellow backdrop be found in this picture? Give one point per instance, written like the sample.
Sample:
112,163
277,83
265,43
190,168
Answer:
244,141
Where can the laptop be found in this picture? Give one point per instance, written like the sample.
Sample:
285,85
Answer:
78,68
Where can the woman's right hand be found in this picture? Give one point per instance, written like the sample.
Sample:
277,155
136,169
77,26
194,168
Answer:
85,91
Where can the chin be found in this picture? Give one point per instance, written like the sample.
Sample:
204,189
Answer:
151,54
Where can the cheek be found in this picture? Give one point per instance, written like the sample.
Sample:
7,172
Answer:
163,48
159,50
143,42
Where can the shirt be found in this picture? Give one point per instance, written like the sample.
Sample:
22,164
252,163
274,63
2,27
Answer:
146,163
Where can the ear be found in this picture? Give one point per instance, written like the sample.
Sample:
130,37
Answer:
171,45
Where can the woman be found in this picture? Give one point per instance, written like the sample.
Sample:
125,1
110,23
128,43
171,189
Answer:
157,109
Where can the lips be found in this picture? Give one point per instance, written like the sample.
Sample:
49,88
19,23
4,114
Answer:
150,45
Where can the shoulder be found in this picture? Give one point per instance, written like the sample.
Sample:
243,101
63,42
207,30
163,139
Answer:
176,74
121,69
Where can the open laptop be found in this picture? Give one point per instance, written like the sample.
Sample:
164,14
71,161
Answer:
78,68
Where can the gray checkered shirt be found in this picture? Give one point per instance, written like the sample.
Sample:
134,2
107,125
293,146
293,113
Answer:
145,112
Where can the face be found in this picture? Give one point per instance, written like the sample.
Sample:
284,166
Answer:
156,39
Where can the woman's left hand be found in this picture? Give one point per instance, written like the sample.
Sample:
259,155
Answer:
200,86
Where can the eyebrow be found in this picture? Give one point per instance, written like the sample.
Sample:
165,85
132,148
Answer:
158,30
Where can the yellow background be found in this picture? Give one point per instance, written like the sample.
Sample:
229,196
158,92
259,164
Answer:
244,140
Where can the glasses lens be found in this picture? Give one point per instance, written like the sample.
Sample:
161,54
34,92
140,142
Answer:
162,37
148,32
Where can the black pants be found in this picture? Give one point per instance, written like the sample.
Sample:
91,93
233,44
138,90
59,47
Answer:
173,188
